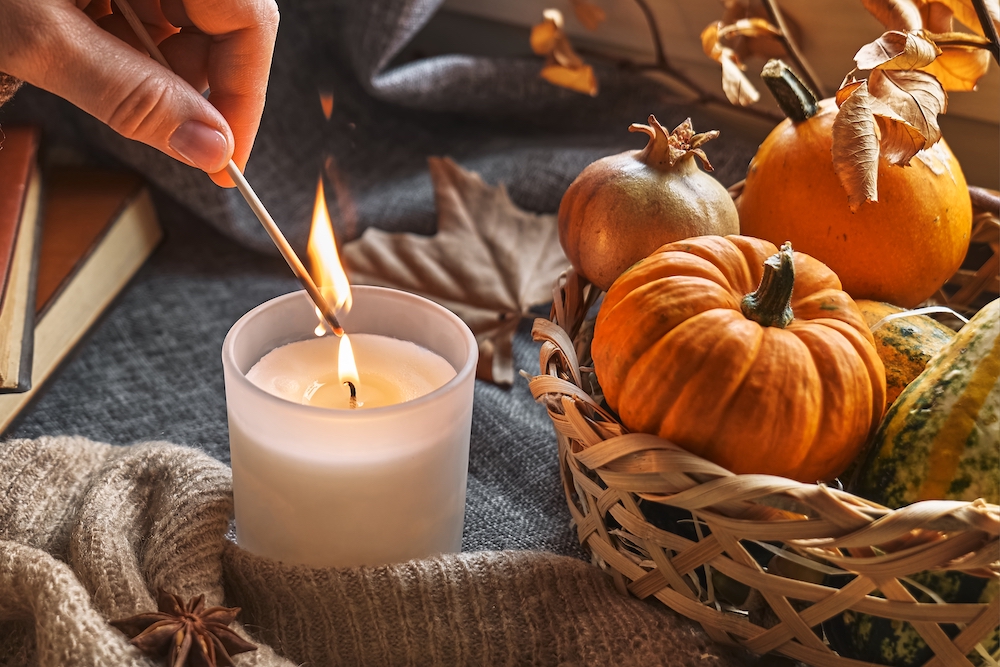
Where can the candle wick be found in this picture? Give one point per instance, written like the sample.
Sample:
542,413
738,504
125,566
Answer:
353,402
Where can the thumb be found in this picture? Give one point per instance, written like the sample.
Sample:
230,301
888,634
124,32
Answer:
129,91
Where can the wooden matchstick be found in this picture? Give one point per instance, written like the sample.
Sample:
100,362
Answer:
327,312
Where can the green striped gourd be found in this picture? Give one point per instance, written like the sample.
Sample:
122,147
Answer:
939,440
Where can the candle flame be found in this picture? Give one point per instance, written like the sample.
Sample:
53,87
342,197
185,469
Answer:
347,369
324,260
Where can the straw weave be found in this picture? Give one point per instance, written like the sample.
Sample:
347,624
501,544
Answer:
612,479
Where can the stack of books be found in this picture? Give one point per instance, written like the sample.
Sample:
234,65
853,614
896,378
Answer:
70,240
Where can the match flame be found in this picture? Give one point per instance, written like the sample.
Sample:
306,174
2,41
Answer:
347,370
324,260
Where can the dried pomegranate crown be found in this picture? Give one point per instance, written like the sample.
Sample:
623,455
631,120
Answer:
666,149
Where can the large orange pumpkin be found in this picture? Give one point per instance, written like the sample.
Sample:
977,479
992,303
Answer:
900,249
769,381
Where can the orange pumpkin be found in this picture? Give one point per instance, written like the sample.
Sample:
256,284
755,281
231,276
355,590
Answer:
769,381
900,249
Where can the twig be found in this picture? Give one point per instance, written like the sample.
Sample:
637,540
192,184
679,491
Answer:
778,19
988,27
654,31
701,96
662,62
663,65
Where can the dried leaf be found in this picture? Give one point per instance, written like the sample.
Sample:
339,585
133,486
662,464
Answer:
900,140
965,12
737,87
580,78
710,41
563,67
752,27
916,97
937,17
543,37
901,15
960,67
849,85
753,37
589,14
489,261
897,50
856,147
735,83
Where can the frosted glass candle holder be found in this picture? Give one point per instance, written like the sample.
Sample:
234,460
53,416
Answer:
328,487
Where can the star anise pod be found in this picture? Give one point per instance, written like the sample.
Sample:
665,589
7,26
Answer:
188,634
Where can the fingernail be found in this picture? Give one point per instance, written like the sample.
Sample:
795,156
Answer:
201,145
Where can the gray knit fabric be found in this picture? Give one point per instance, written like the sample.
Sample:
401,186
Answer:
88,531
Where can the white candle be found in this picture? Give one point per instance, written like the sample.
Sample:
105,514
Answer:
390,371
341,487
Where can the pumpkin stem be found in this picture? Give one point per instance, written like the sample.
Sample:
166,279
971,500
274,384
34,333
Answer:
666,149
771,304
797,102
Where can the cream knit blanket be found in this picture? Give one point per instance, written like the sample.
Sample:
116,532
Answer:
88,530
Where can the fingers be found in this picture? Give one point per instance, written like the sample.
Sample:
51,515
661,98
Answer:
75,59
187,53
239,61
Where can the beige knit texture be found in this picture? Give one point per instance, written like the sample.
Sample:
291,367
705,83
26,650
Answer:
88,532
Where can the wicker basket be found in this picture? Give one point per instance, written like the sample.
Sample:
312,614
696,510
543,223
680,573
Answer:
625,489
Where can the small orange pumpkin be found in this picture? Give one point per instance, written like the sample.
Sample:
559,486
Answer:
900,249
758,381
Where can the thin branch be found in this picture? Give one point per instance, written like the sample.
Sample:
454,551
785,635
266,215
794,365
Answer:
654,31
701,96
801,64
974,43
663,66
988,27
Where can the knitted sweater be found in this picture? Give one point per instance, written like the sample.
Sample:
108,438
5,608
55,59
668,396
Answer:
88,530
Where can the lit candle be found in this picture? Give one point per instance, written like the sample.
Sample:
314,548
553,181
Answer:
321,480
384,371
335,487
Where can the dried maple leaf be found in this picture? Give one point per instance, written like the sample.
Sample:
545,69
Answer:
188,634
489,261
563,66
590,15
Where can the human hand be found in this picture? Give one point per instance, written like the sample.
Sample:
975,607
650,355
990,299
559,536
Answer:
81,51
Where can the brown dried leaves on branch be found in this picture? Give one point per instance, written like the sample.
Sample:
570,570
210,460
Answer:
563,66
188,634
729,44
894,114
489,261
